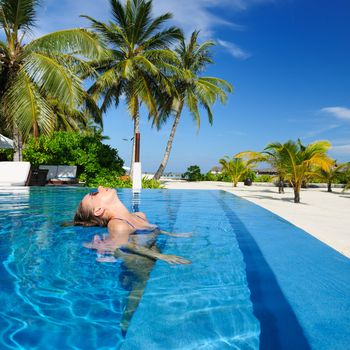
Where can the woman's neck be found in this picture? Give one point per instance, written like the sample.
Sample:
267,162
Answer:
117,210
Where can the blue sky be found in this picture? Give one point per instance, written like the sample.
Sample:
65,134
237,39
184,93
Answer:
289,63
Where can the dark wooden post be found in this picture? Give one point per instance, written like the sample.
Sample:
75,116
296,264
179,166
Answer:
137,147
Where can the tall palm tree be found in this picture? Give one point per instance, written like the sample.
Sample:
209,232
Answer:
299,161
31,71
139,55
235,168
193,90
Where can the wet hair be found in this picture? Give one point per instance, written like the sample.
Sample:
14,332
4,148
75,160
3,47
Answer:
86,217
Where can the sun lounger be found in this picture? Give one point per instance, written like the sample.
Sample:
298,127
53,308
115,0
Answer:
14,173
60,174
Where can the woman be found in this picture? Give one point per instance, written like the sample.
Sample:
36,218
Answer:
104,208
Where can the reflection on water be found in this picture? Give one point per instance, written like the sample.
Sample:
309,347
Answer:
53,291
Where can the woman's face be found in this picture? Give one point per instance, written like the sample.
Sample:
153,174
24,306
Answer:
102,198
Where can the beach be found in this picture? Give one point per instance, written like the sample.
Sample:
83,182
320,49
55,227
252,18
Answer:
322,214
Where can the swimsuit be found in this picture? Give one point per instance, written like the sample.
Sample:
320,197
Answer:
140,231
143,241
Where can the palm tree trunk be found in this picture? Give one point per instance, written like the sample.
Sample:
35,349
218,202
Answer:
281,185
296,189
136,119
329,187
17,145
164,162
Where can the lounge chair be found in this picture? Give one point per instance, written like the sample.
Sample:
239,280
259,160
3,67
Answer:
60,174
14,173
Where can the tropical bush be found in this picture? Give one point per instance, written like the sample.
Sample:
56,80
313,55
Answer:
250,174
209,176
6,154
114,181
151,183
331,174
97,163
263,178
107,178
236,169
193,173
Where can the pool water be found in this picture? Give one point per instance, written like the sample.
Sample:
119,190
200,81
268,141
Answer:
255,281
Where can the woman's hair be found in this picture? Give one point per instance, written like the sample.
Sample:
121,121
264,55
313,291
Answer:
86,217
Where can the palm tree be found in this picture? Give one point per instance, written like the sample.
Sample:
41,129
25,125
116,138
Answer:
32,71
299,160
271,155
86,117
235,168
331,173
139,53
192,89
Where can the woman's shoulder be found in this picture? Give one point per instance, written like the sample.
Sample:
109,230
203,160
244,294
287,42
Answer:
117,225
140,214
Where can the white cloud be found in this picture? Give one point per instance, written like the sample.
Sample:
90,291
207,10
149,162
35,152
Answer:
338,112
63,14
319,131
188,14
193,15
341,149
234,50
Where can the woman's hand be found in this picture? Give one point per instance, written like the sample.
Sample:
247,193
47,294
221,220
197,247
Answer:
174,259
170,259
183,235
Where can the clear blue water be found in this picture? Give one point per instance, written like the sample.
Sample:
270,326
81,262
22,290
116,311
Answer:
255,281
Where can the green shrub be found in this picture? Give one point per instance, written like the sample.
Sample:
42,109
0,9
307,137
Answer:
6,154
193,173
95,160
107,179
250,175
112,180
263,178
210,177
223,177
151,183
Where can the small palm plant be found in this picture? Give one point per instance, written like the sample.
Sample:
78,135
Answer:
32,72
235,168
293,161
331,174
272,155
299,160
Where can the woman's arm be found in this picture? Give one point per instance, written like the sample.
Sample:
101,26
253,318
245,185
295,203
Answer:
139,250
183,235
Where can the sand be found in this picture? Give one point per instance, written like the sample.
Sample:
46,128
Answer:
324,215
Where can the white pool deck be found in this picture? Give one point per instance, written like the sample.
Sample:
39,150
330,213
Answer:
324,215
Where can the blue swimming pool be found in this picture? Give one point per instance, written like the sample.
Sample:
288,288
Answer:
255,281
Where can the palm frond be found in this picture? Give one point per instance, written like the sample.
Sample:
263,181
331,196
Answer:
154,26
53,78
19,14
28,109
192,103
223,84
118,13
71,41
163,39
